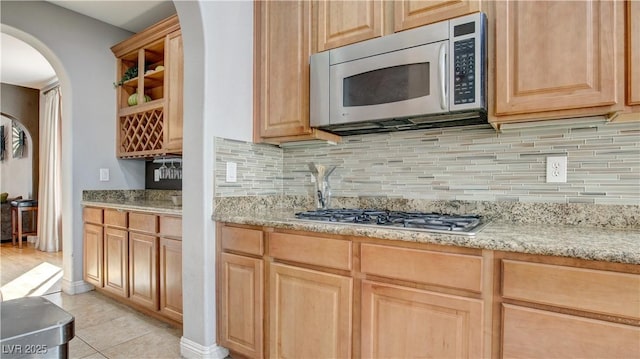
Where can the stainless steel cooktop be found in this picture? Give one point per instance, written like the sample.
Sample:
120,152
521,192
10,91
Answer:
429,222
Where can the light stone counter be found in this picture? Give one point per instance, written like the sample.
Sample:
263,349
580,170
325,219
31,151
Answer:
139,205
602,244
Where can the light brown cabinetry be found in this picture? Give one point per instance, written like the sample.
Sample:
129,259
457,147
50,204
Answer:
411,13
556,59
569,311
403,322
310,313
282,46
150,104
171,267
143,260
342,23
116,261
136,257
93,246
632,78
241,290
345,22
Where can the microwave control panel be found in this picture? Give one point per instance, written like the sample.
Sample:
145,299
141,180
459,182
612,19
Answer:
464,89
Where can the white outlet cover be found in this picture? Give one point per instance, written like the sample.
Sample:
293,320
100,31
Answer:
104,174
156,175
232,172
557,169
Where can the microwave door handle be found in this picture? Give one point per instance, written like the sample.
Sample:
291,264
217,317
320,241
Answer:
442,62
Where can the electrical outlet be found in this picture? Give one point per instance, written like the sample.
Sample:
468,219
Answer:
557,169
104,174
232,172
156,175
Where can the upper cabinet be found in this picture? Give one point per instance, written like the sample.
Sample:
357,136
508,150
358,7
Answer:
557,59
281,72
149,91
346,22
409,14
633,55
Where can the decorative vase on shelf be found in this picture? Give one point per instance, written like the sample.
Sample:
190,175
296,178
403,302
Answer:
133,99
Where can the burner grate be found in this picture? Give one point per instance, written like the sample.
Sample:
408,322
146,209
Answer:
436,222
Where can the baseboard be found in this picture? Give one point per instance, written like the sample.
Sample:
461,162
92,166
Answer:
76,287
192,350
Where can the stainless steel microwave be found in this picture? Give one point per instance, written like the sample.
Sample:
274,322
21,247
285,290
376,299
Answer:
431,76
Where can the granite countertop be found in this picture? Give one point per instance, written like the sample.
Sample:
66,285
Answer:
602,244
140,205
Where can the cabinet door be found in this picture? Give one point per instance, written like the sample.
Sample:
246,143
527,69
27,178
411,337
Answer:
412,13
633,52
532,333
310,313
282,51
175,84
171,278
401,322
143,270
116,261
345,22
241,304
556,55
93,246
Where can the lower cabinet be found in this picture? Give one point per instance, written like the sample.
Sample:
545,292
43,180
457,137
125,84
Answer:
533,333
143,270
309,313
137,258
171,278
240,295
400,322
93,246
116,261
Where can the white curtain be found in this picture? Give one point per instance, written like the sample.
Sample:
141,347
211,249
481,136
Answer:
49,198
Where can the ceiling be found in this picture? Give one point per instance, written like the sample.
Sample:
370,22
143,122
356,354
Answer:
22,65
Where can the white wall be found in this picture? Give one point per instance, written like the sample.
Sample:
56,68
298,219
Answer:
16,173
218,52
78,48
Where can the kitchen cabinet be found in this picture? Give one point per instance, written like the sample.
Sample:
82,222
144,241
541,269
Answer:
310,313
632,78
136,258
572,311
241,290
556,59
93,246
411,13
282,46
403,322
345,22
143,260
441,325
149,91
342,23
116,261
171,267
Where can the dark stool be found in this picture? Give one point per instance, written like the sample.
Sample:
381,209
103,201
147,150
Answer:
17,209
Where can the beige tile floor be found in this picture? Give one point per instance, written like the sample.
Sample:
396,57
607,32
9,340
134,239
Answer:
104,328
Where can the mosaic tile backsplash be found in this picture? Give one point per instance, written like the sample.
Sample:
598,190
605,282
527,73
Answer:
464,163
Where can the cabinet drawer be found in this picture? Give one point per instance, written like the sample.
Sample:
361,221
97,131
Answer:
576,288
115,218
171,226
533,333
143,222
332,253
444,269
92,215
243,240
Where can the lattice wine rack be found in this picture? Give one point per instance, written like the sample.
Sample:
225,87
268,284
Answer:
141,133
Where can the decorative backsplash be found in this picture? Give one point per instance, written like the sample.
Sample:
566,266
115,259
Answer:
468,164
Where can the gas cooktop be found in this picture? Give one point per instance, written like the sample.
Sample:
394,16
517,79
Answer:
429,222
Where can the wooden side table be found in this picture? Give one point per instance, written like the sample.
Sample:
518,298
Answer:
18,207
